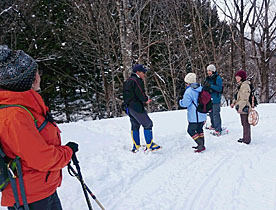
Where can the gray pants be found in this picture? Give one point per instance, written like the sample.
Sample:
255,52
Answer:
137,119
215,117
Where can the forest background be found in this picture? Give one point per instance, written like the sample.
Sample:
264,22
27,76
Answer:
86,48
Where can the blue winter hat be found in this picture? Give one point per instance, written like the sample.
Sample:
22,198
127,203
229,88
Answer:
140,68
17,69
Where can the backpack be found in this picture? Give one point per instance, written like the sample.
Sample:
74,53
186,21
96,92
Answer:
126,98
204,102
10,169
215,82
252,95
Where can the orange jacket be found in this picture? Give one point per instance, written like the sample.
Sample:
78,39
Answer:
41,153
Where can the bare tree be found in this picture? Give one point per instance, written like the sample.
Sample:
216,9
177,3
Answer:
263,39
126,34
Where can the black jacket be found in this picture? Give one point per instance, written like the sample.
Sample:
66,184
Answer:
134,93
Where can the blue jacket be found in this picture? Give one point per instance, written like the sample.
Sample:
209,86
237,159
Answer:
215,89
190,96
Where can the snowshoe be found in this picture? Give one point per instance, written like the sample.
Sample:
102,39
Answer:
220,133
135,150
209,128
153,147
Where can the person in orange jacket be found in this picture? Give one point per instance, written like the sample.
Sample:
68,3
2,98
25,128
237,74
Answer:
41,153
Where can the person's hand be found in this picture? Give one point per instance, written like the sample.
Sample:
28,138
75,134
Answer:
207,85
148,101
239,111
74,146
232,105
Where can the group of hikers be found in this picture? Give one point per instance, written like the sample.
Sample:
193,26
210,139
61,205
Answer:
135,99
29,133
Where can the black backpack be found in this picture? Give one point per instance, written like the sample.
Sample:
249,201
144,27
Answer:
10,169
252,95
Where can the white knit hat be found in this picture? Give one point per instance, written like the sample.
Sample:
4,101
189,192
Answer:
190,78
211,67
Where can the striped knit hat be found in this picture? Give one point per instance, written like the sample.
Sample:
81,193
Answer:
17,69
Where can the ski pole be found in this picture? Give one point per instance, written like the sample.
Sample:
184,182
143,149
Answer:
70,168
76,163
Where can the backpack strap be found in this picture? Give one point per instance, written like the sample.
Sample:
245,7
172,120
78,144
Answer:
215,82
196,111
15,164
138,86
39,128
215,79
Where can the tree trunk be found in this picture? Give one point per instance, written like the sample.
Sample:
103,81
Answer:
126,31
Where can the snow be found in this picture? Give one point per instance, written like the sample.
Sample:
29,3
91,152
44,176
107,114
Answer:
227,176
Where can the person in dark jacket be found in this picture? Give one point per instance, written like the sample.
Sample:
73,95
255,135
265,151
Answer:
213,83
135,99
41,154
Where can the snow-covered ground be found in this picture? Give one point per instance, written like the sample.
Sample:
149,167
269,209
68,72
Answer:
227,176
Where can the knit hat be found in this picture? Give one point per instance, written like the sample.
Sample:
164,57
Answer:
190,78
140,68
211,67
17,69
241,74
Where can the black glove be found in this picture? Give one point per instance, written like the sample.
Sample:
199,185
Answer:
207,85
74,146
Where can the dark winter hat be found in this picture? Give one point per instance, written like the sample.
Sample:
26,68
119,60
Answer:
140,68
241,74
17,69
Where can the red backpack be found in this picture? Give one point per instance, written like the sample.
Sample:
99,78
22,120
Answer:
204,102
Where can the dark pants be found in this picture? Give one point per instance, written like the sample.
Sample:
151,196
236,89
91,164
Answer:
246,128
137,119
195,130
50,203
215,117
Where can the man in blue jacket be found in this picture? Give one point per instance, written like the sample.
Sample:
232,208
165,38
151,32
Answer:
135,99
195,118
213,83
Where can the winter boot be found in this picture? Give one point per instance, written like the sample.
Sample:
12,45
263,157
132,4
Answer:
150,144
200,147
201,137
136,140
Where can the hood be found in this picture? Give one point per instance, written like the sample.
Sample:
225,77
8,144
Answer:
196,87
30,99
